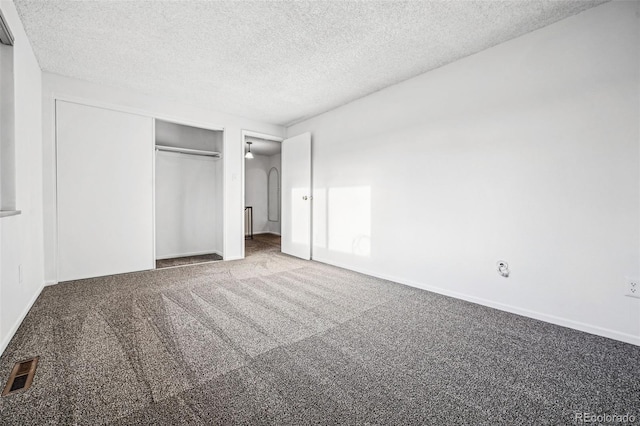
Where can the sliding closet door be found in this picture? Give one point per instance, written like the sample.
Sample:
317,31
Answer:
105,189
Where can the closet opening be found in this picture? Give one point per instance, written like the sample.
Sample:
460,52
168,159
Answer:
188,194
262,197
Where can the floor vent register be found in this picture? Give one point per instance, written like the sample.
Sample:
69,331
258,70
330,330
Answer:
21,376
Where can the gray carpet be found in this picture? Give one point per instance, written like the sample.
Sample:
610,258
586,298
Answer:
275,340
262,242
187,260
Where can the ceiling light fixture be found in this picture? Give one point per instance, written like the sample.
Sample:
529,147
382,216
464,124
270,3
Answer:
249,155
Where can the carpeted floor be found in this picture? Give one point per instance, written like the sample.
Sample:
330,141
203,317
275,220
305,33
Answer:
187,260
276,340
261,242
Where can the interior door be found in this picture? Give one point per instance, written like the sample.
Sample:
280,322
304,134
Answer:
296,196
104,191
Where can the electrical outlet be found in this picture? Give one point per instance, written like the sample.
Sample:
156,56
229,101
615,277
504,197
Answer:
633,288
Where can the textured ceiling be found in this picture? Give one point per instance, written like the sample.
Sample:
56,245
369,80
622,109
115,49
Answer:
278,62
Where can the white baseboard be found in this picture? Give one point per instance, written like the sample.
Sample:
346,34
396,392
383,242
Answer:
7,339
194,253
48,283
564,322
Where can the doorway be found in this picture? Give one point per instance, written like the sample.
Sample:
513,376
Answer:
262,193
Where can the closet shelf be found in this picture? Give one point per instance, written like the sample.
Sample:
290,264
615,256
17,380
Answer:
188,151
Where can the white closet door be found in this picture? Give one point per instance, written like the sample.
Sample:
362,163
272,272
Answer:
296,196
105,191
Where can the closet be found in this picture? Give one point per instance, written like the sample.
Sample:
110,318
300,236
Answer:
131,189
188,194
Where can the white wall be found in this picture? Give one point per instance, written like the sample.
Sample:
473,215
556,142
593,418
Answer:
188,193
171,134
21,236
68,88
256,191
274,161
526,152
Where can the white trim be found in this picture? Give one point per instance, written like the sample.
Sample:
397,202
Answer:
253,134
55,191
153,193
311,192
194,253
243,134
16,325
48,283
266,232
564,322
224,192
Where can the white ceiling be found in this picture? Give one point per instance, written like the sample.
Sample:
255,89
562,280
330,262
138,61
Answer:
278,62
262,146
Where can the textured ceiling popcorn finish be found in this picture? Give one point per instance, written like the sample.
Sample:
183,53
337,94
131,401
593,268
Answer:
278,62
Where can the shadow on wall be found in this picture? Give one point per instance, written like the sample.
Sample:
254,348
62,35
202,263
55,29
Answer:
342,219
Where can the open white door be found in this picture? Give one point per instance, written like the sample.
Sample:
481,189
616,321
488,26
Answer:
296,196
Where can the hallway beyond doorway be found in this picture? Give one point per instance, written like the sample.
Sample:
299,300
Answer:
262,243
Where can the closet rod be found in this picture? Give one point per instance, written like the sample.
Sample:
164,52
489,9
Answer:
188,151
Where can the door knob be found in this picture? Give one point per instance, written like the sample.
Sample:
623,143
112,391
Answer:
304,197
